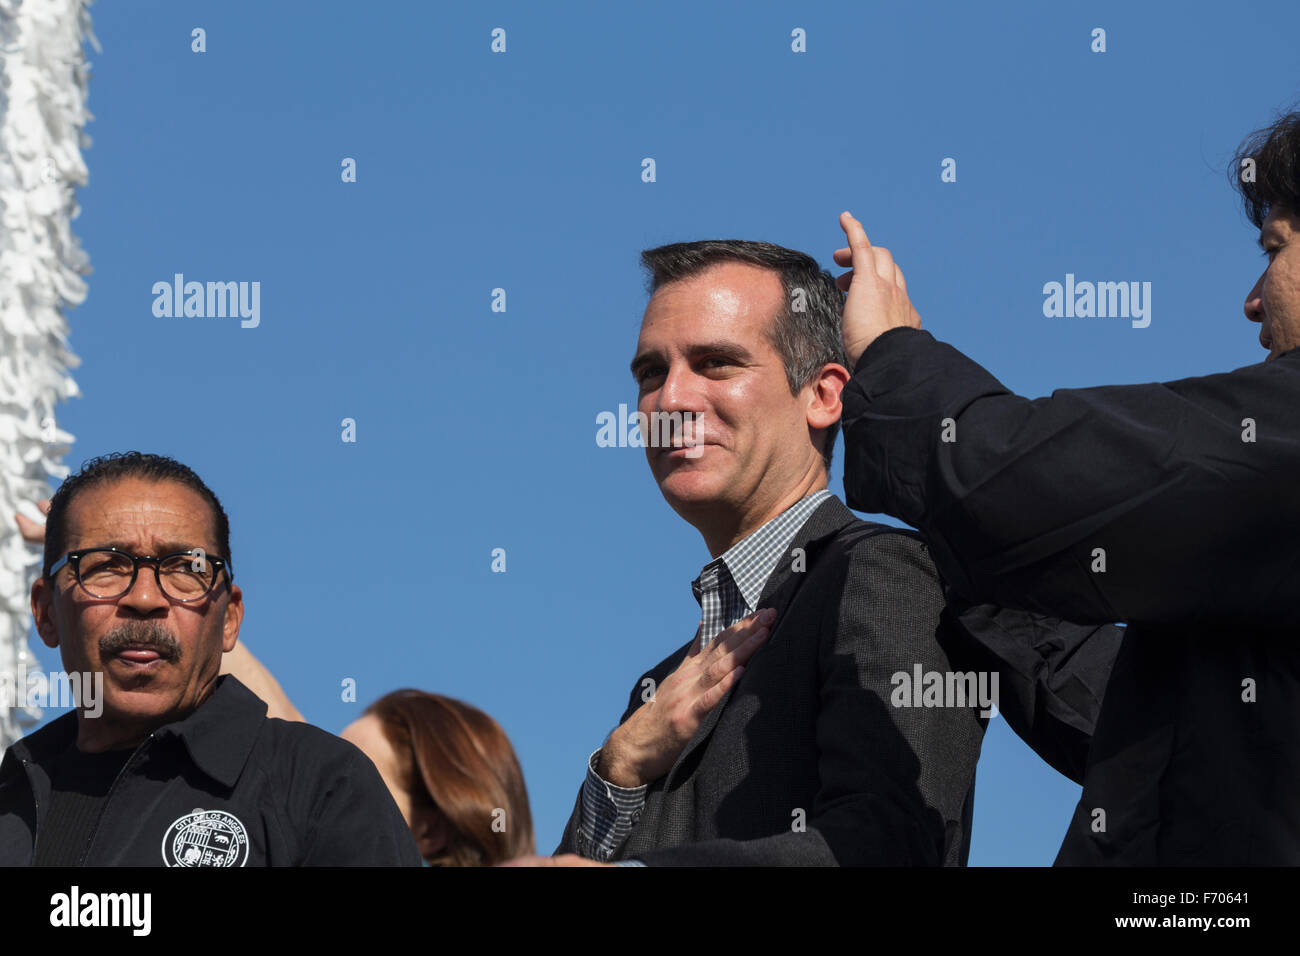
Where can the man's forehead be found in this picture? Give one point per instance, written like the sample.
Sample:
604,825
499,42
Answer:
732,296
726,284
139,510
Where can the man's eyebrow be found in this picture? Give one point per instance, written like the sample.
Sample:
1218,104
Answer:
729,350
641,359
725,349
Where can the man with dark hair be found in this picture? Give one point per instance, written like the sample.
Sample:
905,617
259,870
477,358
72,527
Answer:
183,767
806,329
1172,507
778,735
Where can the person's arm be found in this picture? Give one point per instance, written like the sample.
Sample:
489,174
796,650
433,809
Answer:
253,674
892,779
1052,674
1163,502
30,531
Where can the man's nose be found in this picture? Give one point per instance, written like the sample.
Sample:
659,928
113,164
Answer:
680,390
1254,307
144,595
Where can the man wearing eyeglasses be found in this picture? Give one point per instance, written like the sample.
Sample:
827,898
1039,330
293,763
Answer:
182,767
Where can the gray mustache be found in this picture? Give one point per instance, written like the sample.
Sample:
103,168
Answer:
148,635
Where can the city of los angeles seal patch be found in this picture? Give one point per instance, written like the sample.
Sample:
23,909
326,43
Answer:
206,838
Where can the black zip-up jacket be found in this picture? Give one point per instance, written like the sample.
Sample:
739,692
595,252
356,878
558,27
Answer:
1173,507
225,786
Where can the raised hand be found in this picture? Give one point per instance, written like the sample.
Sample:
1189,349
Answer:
877,292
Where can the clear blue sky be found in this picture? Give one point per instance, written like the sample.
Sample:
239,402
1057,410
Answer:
476,429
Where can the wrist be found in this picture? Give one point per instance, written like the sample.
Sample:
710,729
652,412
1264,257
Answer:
613,767
853,351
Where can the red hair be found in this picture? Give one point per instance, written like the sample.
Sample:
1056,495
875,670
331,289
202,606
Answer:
462,760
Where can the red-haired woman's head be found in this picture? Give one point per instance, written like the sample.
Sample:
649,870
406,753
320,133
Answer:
453,774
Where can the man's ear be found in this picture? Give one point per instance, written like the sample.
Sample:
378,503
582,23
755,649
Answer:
824,407
43,595
234,617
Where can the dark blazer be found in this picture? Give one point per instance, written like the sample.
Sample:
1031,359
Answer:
805,761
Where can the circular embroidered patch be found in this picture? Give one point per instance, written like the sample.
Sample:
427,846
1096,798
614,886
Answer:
206,838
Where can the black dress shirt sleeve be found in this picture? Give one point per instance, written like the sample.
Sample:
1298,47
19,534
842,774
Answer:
1165,502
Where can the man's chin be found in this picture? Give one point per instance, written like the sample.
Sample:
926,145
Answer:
688,489
146,676
138,694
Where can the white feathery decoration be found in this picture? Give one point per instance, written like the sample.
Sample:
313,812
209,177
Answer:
43,85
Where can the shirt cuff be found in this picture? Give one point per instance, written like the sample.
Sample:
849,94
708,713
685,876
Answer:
607,815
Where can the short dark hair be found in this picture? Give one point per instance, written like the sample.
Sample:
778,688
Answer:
806,340
115,467
1275,152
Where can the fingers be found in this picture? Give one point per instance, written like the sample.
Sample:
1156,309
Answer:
858,241
843,282
651,739
736,645
741,630
711,697
860,254
844,257
30,531
734,659
883,262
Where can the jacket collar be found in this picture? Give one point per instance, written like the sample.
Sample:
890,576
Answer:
218,735
829,518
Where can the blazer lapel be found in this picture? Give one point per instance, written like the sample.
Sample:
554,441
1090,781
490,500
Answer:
779,591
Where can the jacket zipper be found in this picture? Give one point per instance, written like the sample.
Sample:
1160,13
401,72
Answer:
108,798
